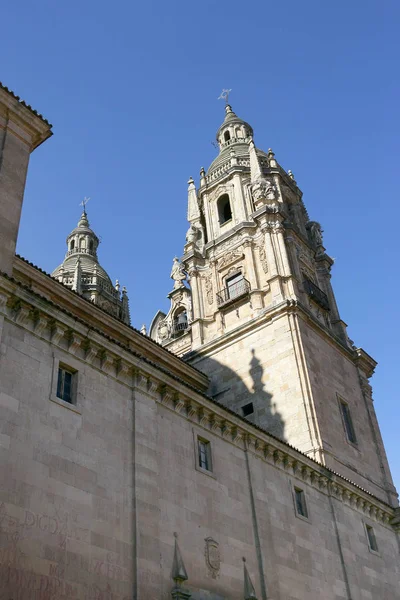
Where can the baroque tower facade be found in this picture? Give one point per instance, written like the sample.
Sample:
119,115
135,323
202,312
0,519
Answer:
260,318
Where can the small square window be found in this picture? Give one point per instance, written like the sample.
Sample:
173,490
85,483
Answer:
65,385
248,409
348,422
204,454
371,538
300,502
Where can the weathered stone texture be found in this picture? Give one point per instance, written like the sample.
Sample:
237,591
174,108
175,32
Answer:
66,479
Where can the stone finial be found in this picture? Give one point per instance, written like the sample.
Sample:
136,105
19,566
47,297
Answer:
255,168
271,158
249,591
290,173
193,213
76,285
117,285
179,574
202,177
143,329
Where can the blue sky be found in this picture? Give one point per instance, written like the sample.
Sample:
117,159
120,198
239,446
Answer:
132,88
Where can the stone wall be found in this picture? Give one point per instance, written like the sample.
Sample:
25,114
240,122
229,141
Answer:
66,515
91,494
334,377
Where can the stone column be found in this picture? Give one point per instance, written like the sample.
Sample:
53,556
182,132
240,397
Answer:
273,279
196,307
252,275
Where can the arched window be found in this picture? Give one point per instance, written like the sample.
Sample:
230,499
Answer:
180,322
227,136
81,243
91,245
224,209
72,245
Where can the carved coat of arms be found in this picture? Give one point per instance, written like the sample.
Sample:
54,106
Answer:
213,558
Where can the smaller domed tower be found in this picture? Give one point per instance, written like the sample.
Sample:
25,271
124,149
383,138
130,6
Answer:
81,272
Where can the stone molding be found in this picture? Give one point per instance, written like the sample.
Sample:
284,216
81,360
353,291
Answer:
135,371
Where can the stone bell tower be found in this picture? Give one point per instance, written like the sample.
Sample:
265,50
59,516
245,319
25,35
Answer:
261,316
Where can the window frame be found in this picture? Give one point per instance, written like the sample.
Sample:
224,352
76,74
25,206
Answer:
197,439
304,502
71,366
347,421
369,528
64,382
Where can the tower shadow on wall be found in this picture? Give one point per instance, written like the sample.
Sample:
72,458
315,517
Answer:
245,393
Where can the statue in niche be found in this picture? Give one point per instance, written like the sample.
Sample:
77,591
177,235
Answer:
177,273
192,235
315,233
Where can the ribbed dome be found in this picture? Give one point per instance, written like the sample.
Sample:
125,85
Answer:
241,151
82,242
81,272
234,134
88,266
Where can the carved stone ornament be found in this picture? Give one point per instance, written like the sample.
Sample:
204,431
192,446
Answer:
263,192
263,258
163,330
229,258
315,233
213,558
209,289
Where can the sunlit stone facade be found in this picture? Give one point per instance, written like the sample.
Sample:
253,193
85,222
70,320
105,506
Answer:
128,472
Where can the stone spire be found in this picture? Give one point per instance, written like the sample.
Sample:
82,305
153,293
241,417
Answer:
193,213
249,591
81,271
76,284
255,168
195,233
179,574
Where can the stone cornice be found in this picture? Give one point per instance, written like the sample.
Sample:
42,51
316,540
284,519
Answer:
234,429
36,128
95,318
46,321
268,314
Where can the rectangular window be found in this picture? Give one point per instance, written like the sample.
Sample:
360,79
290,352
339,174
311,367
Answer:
204,454
371,538
347,421
65,389
300,502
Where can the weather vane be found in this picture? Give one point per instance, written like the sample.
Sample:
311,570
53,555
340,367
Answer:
225,95
83,203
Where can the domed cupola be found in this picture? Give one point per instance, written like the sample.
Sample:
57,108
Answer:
234,137
82,272
233,130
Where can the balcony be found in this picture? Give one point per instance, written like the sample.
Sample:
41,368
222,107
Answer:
233,291
316,294
179,329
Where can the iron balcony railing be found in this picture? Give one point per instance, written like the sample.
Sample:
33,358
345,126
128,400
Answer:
233,292
179,328
316,294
